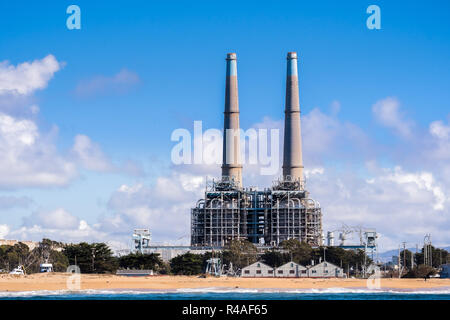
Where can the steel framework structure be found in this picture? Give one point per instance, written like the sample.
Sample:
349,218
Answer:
268,217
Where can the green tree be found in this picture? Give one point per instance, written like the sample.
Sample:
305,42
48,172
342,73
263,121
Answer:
164,268
12,256
187,264
336,255
104,262
405,256
59,261
420,271
438,255
240,253
356,259
275,258
301,252
47,251
91,258
81,255
141,261
4,264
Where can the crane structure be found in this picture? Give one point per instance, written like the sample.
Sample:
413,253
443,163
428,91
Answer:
141,241
367,239
427,250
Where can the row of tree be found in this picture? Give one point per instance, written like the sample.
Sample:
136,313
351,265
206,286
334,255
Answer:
243,253
98,258
438,257
413,264
20,254
89,257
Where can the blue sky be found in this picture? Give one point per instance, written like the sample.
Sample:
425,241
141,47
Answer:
172,55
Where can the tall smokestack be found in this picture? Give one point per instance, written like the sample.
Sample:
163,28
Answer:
293,160
231,166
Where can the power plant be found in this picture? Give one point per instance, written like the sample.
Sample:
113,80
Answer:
283,211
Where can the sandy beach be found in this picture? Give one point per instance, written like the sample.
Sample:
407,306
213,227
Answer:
58,281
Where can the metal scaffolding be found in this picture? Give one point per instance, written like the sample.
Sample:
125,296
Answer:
267,217
141,241
293,215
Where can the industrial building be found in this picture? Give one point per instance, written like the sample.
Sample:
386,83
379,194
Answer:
284,211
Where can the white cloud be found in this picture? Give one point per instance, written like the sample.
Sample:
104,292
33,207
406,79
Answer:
324,137
401,205
17,132
439,130
7,202
27,77
415,184
68,234
56,219
163,207
438,147
29,158
4,230
387,112
313,171
118,83
90,155
320,131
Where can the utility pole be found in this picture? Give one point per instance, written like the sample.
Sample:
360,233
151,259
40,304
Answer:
427,250
416,256
93,259
404,254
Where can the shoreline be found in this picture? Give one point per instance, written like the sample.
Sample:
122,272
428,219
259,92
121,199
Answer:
163,283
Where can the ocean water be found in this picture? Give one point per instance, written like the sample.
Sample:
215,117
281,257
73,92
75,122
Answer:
232,294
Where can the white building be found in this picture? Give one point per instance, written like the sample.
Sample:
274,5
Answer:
257,269
291,269
325,270
46,267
